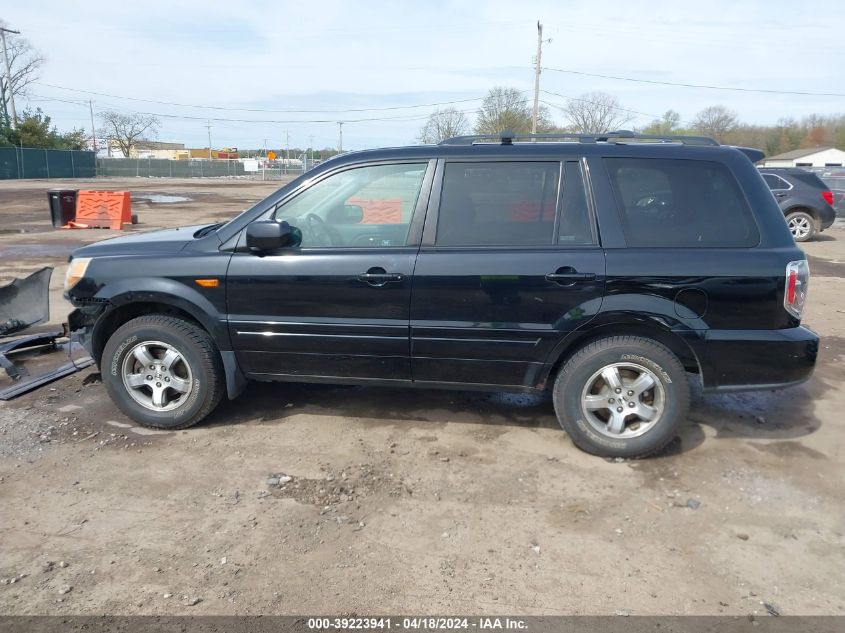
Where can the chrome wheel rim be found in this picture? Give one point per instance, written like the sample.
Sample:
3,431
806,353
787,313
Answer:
157,376
799,227
623,400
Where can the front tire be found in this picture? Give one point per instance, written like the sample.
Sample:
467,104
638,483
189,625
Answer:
623,396
162,372
802,225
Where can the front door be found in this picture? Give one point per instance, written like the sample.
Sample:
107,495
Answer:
508,266
337,306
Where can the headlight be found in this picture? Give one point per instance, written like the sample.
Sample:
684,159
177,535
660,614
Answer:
76,271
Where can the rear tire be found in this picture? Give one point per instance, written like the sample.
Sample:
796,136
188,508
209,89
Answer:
802,225
622,396
163,372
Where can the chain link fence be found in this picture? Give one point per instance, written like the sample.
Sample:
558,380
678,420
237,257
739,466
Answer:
17,162
215,168
26,162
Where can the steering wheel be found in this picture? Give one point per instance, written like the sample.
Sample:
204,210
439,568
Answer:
322,232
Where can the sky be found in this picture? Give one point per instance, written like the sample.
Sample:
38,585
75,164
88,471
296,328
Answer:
250,64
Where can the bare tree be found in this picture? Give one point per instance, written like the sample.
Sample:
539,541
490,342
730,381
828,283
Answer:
443,124
24,62
716,121
127,129
595,113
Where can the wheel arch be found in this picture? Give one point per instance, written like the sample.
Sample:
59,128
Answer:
621,325
129,305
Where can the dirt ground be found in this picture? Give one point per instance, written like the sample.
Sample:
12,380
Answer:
320,499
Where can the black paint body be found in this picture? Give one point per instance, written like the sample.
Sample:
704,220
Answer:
466,317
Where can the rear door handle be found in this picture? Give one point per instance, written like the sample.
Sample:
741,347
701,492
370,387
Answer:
570,277
381,276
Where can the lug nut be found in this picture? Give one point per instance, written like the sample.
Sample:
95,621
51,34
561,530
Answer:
619,409
631,404
149,377
611,400
630,393
166,379
158,384
618,390
153,367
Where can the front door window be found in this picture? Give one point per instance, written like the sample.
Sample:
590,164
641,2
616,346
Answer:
366,207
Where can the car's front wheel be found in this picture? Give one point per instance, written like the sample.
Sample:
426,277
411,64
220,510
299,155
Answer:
622,396
163,372
802,225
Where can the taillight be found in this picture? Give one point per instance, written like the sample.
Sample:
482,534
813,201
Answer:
795,292
828,196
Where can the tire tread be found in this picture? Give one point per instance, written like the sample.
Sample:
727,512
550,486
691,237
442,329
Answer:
597,346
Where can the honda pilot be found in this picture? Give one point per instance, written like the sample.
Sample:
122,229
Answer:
604,269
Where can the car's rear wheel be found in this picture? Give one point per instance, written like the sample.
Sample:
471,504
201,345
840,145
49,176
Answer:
802,225
622,396
163,372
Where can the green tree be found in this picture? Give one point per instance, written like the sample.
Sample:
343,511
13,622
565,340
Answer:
669,123
507,109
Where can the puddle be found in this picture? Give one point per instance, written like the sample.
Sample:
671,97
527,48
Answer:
161,198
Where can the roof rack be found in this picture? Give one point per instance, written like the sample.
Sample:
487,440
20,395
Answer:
619,136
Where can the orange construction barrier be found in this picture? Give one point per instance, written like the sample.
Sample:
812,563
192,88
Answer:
387,211
104,209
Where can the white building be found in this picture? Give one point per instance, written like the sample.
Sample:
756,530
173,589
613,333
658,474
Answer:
815,157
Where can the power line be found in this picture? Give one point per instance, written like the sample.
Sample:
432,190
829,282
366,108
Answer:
230,109
405,117
687,85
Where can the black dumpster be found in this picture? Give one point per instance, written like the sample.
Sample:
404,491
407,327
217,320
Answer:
62,205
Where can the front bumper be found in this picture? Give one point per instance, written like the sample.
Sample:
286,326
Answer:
746,360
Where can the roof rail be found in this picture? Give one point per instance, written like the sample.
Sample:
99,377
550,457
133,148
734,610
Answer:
619,136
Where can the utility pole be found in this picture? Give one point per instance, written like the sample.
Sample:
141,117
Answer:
9,86
264,162
340,137
287,149
536,114
208,125
93,131
311,149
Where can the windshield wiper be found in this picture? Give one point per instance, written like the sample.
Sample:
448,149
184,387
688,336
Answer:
208,229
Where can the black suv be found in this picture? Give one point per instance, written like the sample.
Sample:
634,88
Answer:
806,201
602,269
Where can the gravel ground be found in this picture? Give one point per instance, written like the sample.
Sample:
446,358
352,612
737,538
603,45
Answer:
318,498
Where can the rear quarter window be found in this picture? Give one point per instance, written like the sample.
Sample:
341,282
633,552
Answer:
810,179
680,203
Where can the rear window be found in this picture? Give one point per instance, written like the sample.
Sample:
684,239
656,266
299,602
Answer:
680,203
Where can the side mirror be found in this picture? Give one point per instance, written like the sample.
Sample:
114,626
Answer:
269,235
347,214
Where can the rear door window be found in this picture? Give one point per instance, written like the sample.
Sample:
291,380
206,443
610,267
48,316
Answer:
680,203
498,204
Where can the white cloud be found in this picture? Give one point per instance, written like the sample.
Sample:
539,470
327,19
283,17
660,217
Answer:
330,54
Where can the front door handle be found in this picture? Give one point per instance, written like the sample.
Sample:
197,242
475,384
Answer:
568,276
379,277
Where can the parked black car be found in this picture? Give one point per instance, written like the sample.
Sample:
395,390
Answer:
602,269
834,178
806,201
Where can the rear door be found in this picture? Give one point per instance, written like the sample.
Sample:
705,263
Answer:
510,262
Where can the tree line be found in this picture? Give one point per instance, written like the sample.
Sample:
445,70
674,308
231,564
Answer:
508,109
